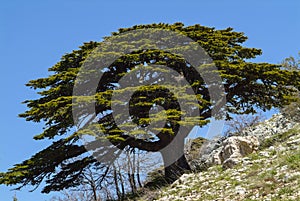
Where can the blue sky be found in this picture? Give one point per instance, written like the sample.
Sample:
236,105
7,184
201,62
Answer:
35,34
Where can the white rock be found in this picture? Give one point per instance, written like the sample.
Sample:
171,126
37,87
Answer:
294,142
236,147
241,191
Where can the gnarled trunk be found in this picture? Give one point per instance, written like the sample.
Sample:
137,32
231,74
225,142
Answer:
176,169
174,160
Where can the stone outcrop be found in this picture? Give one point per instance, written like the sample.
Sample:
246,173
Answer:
234,148
228,151
277,124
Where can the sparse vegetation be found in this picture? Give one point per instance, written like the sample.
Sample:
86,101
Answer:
278,138
238,124
292,160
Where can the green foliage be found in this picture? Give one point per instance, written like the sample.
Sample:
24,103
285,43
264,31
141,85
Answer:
292,111
291,63
247,86
293,160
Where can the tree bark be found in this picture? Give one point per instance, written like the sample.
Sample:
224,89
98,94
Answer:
176,169
115,176
130,173
174,160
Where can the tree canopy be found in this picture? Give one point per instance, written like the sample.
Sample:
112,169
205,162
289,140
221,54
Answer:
247,85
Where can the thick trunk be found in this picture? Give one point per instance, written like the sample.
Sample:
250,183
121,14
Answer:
174,160
176,169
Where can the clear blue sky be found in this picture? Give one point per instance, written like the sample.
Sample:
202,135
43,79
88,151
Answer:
35,34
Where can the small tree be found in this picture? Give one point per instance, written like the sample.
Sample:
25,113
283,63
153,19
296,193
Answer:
237,125
291,63
292,111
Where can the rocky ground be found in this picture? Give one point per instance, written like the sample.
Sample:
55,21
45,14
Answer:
262,163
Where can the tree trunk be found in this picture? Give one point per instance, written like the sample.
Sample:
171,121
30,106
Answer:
174,160
138,170
115,176
130,173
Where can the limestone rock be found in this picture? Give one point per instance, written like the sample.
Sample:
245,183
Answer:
233,149
228,151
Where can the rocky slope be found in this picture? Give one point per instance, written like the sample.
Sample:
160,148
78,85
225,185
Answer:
262,163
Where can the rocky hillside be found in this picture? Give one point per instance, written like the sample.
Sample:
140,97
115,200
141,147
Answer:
262,163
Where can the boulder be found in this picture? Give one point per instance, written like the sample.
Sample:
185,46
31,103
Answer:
236,147
228,151
232,150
